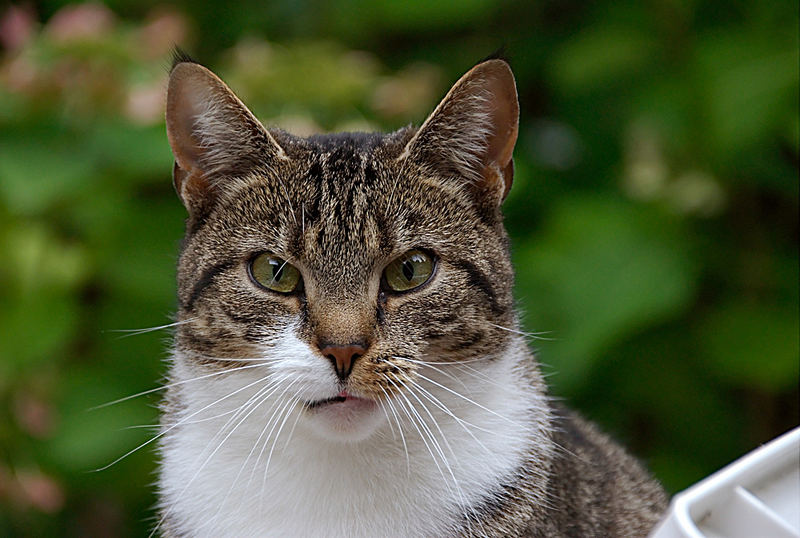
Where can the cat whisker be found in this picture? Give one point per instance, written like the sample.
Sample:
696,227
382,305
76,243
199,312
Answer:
429,433
459,491
482,376
459,395
175,384
422,437
293,402
399,427
136,332
531,335
437,363
291,432
254,402
472,371
388,419
289,406
431,365
140,427
438,403
167,430
275,415
435,423
280,269
264,360
200,420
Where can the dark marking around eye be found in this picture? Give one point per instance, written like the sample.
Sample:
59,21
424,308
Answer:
380,314
480,282
205,280
240,315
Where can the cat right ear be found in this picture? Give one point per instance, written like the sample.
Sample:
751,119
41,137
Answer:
213,136
471,133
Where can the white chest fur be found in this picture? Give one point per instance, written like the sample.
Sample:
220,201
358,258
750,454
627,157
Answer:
265,472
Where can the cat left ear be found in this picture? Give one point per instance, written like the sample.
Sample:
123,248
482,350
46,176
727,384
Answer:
214,137
473,130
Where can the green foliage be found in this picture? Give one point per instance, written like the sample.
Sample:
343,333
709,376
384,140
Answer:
599,271
654,215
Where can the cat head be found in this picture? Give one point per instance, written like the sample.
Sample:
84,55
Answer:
343,262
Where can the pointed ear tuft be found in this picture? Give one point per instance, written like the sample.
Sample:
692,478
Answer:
180,56
472,132
213,136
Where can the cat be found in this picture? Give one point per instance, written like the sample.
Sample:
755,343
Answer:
347,360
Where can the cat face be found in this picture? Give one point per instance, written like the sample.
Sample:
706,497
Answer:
343,263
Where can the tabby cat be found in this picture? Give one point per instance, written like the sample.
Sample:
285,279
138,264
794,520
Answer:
347,359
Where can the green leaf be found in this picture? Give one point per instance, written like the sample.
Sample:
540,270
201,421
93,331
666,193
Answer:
36,328
600,56
600,271
750,88
40,170
88,439
752,345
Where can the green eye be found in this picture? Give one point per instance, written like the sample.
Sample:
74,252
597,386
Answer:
274,273
409,271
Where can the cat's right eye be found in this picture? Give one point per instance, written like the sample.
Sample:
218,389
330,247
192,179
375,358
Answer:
274,273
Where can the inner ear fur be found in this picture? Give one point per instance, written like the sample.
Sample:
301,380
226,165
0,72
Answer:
472,131
213,135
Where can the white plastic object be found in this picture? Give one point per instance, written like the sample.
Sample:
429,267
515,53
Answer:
757,496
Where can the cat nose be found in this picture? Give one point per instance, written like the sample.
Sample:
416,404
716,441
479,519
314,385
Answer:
342,357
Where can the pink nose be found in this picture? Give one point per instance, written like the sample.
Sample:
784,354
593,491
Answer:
342,357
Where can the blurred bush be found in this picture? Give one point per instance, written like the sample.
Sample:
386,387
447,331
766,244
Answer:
654,213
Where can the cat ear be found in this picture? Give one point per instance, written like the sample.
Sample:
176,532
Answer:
473,130
213,136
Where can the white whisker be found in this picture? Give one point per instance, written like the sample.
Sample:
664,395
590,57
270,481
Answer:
162,433
409,409
175,384
399,427
275,415
221,443
465,505
470,401
135,332
533,336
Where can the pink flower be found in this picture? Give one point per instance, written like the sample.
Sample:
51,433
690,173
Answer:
16,27
80,22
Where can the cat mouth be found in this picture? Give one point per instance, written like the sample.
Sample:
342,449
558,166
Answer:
344,417
343,396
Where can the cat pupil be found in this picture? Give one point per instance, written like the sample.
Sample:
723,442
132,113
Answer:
277,272
408,270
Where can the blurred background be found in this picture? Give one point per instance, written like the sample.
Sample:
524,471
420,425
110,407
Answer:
654,213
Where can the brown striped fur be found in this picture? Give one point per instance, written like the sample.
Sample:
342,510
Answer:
340,208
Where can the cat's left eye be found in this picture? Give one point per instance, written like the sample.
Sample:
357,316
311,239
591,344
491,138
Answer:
409,271
275,273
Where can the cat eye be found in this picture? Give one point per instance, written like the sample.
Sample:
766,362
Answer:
274,273
409,271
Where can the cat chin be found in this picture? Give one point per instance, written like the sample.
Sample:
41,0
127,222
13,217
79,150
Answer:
349,421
